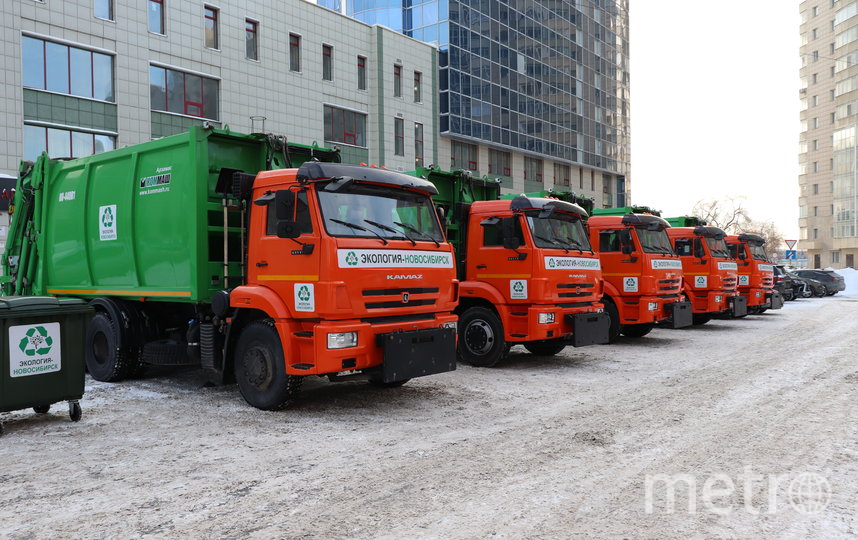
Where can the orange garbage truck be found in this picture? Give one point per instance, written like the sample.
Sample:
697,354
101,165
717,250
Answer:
216,249
709,272
527,272
756,273
642,276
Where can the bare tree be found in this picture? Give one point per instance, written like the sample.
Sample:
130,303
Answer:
768,230
729,214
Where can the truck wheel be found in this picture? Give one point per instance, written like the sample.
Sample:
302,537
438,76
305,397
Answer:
614,315
545,347
636,330
697,319
481,338
104,361
260,368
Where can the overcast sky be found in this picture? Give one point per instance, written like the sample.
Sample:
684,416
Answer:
715,105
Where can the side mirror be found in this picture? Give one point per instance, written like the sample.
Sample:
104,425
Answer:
699,252
742,256
284,204
627,249
510,240
288,229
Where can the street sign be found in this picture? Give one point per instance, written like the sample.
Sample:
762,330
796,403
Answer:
790,254
790,243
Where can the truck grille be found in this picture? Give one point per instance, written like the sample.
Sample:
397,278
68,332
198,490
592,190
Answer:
729,282
668,284
581,289
402,297
767,282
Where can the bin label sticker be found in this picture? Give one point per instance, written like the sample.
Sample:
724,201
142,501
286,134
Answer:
744,279
393,258
700,282
630,284
34,349
305,297
572,263
107,222
517,289
669,264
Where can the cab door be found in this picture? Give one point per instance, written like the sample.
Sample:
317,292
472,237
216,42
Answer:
492,258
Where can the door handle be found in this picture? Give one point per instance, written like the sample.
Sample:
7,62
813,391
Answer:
262,263
481,266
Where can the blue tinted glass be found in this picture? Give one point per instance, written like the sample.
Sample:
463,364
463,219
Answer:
33,60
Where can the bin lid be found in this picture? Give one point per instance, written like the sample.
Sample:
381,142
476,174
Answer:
36,302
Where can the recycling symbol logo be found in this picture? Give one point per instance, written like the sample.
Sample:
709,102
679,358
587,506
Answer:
351,259
107,218
551,262
36,341
630,282
518,286
303,293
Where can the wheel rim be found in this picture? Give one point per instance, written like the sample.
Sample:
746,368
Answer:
100,348
479,337
258,365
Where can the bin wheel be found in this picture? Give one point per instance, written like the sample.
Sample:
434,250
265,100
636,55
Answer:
75,412
41,409
260,368
2,429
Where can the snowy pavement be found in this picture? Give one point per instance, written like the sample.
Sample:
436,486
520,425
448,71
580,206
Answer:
757,415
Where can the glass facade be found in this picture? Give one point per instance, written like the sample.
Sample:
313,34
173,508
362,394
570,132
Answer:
542,76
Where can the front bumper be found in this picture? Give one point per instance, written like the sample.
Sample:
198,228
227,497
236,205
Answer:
307,351
589,328
774,300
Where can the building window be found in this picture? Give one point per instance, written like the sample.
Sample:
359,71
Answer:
361,72
104,9
533,170
399,136
64,143
418,87
815,234
561,175
418,144
816,189
183,93
156,16
251,37
347,127
211,15
499,163
294,52
397,81
327,63
815,211
66,70
463,156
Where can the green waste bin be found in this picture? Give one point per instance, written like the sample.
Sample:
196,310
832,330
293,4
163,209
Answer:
42,353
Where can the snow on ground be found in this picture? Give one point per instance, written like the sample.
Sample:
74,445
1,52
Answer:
850,275
758,415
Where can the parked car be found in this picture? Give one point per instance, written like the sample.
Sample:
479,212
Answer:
832,281
814,287
789,288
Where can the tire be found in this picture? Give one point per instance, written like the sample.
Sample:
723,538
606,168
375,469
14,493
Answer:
545,347
789,295
636,330
481,337
260,368
698,320
806,293
104,361
614,315
823,291
41,409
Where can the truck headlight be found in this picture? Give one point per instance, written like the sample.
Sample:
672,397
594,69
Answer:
341,340
545,318
652,306
717,299
452,325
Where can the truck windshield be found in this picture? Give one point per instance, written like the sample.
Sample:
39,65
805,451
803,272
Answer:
654,241
559,231
718,247
369,211
757,252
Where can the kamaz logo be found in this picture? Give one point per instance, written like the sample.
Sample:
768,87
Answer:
405,276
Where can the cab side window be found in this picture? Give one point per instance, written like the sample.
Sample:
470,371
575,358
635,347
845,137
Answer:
302,216
683,247
493,235
609,241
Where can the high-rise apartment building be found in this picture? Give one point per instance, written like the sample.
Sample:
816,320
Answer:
828,175
535,92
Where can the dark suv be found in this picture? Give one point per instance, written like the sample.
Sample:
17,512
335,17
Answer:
832,281
789,288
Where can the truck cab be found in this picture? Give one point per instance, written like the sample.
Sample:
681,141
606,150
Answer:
756,273
641,273
709,273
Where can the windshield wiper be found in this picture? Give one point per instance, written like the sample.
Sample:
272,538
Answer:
358,228
550,241
388,228
418,231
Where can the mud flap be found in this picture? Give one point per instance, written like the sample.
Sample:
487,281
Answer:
416,353
589,328
680,314
738,306
775,300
